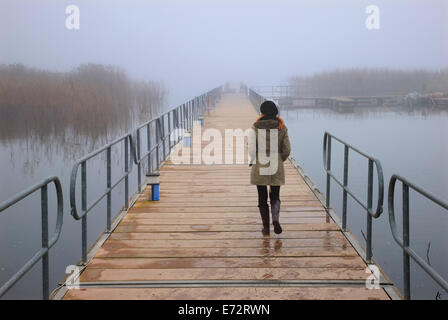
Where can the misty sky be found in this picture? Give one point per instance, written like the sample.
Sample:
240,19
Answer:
192,46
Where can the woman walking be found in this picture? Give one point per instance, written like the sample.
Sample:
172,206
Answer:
267,159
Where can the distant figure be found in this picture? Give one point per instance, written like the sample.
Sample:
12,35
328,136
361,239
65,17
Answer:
269,173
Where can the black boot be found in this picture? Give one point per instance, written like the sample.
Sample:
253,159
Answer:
275,209
264,213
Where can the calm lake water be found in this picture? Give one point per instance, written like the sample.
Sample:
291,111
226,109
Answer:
24,163
413,144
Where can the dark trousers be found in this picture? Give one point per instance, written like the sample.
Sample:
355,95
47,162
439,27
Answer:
263,194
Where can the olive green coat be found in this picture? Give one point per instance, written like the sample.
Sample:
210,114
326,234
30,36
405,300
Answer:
270,170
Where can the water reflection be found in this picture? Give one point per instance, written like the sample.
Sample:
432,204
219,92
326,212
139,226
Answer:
29,153
63,115
364,112
271,246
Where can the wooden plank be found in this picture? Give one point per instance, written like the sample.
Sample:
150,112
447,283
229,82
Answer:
241,243
224,274
284,210
206,227
222,228
149,214
341,251
228,221
224,235
220,197
227,204
228,262
258,293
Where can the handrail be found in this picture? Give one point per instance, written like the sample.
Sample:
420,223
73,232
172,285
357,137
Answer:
367,206
185,115
404,241
75,169
47,243
256,99
379,205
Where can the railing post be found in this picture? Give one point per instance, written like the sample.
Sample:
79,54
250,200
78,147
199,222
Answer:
182,118
369,208
84,208
193,102
406,260
170,119
126,170
187,116
163,137
157,144
328,170
176,124
148,143
45,258
139,167
175,127
109,185
191,114
202,104
344,194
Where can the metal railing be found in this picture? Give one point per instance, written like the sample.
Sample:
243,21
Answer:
181,117
404,241
346,191
178,120
256,99
46,242
86,208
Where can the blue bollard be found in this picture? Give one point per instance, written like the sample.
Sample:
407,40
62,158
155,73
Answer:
155,192
187,141
153,180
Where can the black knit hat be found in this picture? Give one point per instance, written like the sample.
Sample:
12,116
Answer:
268,108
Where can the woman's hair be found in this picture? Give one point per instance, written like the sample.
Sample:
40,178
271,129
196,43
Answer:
281,122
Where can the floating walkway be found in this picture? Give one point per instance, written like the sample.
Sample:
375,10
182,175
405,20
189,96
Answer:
202,240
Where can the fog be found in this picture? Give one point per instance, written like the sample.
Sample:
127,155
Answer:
97,82
192,46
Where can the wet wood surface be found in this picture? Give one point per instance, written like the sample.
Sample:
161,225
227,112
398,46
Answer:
206,227
234,293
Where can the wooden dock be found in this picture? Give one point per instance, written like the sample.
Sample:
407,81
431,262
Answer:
339,104
202,240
